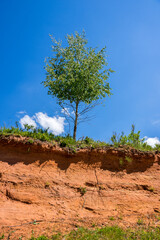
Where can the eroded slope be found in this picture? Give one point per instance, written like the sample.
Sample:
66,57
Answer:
59,189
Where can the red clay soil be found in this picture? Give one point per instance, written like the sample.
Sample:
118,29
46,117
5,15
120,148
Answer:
44,188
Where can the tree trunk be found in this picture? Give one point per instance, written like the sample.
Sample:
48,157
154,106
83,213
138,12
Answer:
75,122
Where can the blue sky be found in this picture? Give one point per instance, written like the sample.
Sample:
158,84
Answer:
129,29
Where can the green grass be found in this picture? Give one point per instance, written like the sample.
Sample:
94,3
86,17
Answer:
57,236
2,236
111,218
133,139
106,233
114,233
128,159
82,190
140,222
44,135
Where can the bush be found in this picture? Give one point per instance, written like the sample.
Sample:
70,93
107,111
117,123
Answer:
133,140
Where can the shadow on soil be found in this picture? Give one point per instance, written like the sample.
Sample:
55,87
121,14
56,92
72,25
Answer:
107,160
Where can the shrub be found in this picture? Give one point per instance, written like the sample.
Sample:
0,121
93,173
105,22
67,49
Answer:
133,140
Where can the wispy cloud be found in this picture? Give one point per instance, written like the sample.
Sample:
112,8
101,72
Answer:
21,112
54,124
152,141
156,122
65,111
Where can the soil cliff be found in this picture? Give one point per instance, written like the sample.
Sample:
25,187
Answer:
44,187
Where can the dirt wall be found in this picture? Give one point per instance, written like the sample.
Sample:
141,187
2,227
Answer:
42,182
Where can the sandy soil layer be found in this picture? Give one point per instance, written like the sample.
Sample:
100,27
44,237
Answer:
44,188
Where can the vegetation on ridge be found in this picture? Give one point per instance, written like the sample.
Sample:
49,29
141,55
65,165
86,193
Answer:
132,140
105,233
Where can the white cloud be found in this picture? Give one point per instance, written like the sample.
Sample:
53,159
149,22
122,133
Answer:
55,124
152,141
27,120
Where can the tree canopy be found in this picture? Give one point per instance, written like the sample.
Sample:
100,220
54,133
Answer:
77,75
